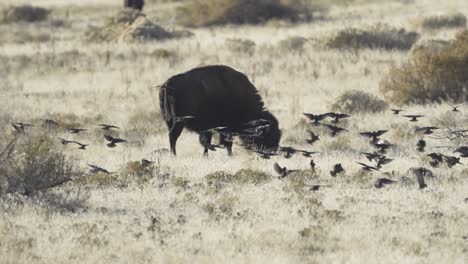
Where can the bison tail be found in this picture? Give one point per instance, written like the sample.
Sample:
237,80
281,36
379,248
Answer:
167,104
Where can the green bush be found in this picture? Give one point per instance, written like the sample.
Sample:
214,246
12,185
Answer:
444,21
430,76
376,37
356,101
23,13
219,12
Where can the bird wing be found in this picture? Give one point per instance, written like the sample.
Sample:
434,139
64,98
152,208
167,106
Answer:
278,169
367,134
109,138
381,132
119,140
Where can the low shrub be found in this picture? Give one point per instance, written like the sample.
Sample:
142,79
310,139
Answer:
376,37
444,21
237,45
356,101
23,13
430,76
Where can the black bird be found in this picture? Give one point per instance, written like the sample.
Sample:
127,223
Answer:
288,151
315,188
396,111
65,141
74,130
382,145
335,130
420,173
316,118
20,127
382,182
107,127
413,118
374,135
306,153
463,151
452,161
145,163
455,107
113,141
313,137
427,130
436,159
337,169
337,117
312,165
383,161
256,129
367,167
372,156
265,155
81,146
282,171
96,169
421,145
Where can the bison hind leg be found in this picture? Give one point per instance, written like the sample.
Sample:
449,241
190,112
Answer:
174,134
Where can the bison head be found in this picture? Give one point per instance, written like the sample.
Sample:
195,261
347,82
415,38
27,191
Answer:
270,136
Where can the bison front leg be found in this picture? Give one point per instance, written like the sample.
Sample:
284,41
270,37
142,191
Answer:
174,134
205,141
227,142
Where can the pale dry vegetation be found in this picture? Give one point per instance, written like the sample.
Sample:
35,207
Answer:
220,209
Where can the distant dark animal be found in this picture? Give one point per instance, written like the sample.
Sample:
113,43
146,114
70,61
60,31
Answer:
20,127
382,182
374,135
397,111
420,174
383,161
426,130
316,118
335,130
413,118
337,117
455,108
282,171
113,141
135,4
80,145
367,167
107,127
451,161
315,188
421,145
463,151
372,156
75,130
65,141
288,151
216,96
337,169
146,163
96,169
312,164
313,137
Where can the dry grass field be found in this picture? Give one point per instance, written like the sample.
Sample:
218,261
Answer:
220,209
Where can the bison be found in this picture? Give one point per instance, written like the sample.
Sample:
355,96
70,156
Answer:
135,4
217,96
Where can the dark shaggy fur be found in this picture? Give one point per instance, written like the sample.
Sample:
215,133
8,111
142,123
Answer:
135,4
215,96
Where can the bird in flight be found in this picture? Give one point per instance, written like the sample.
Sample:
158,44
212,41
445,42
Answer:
282,171
413,118
113,141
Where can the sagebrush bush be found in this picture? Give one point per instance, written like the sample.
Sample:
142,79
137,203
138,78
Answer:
356,101
23,13
430,76
444,21
219,12
375,37
292,44
32,163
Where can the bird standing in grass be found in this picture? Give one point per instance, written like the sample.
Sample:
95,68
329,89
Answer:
337,169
